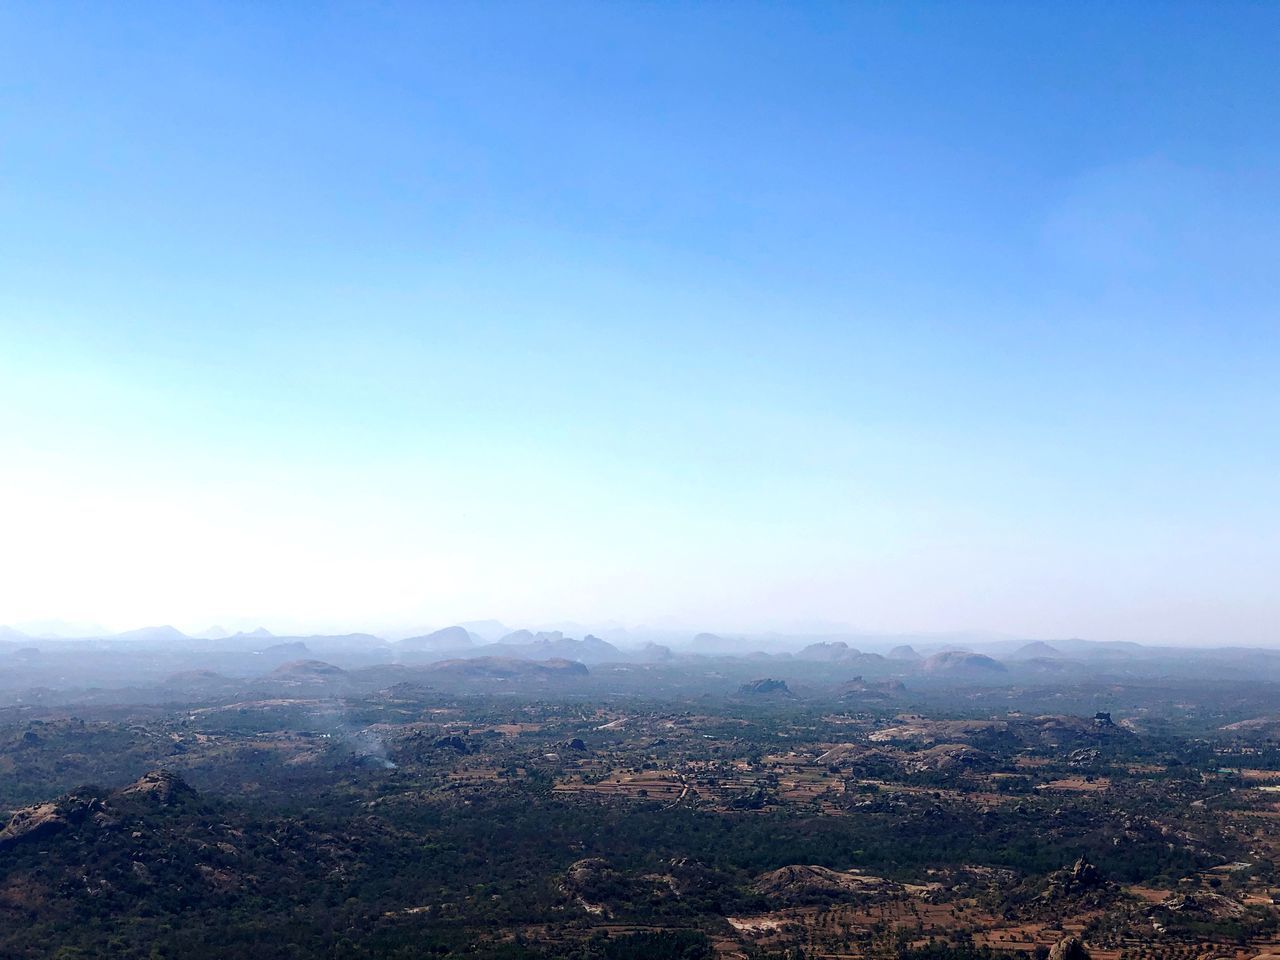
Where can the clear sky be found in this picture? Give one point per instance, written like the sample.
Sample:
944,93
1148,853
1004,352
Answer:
911,317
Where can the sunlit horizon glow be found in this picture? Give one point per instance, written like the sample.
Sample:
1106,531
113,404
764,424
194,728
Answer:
902,318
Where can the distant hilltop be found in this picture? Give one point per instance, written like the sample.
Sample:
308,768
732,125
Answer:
1037,648
765,688
959,661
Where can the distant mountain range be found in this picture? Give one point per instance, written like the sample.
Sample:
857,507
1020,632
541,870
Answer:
519,644
1037,648
925,661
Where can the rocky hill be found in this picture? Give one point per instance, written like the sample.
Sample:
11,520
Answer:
1035,649
959,663
766,687
807,882
450,638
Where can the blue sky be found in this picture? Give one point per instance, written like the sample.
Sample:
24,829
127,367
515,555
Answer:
744,316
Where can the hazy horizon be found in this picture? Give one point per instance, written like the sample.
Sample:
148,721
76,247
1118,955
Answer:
676,634
914,317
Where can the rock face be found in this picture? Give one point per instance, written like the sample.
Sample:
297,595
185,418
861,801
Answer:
1083,758
162,786
586,873
756,799
1080,881
41,820
904,652
949,758
1066,732
808,881
1069,948
1084,874
1203,906
592,882
765,687
598,888
44,819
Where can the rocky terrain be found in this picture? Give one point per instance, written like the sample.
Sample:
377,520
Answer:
679,807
